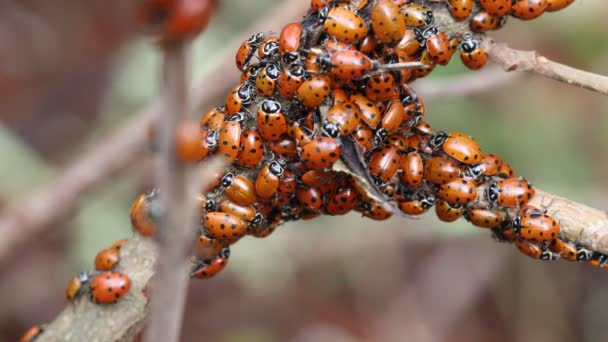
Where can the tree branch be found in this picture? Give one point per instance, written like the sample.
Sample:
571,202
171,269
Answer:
531,61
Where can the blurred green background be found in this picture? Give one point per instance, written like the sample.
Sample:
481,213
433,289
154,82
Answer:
346,278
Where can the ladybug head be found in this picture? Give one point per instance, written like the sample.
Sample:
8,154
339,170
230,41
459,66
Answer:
427,202
469,44
210,205
256,221
270,106
430,31
437,140
276,168
227,180
291,57
473,171
297,70
212,137
246,92
583,254
256,39
331,129
492,193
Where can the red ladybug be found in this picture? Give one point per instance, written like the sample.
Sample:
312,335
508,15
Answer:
267,79
496,7
190,142
471,54
384,163
458,146
107,259
458,191
206,247
224,226
415,206
239,189
246,50
342,202
412,169
320,153
461,9
290,80
343,24
252,149
377,212
387,21
484,218
267,182
229,140
247,213
268,51
440,170
345,65
538,227
109,287
213,119
271,122
528,9
289,42
284,148
565,250
448,212
311,198
75,285
31,334
370,113
381,87
240,96
416,15
314,91
511,192
342,119
210,267
484,21
438,45
556,5
534,251
186,19
145,212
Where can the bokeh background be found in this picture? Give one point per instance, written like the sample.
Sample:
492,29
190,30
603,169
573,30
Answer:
334,278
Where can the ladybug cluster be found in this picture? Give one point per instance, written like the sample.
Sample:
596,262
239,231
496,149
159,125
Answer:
324,122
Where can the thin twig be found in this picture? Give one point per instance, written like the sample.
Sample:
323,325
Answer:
531,61
175,231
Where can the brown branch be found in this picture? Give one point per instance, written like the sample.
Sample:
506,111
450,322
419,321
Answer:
531,61
171,280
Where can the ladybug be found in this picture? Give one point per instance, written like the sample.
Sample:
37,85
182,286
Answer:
252,149
287,185
342,119
345,65
190,144
458,146
496,7
556,5
505,171
565,250
118,244
484,218
206,247
240,96
370,113
31,334
528,9
230,140
246,213
284,148
317,178
393,117
145,212
448,212
397,140
429,65
267,181
534,251
461,9
377,212
537,227
289,42
316,5
271,122
416,15
290,80
364,137
342,202
368,45
186,19
245,51
298,134
412,168
343,24
584,254
109,287
239,189
75,285
458,191
251,73
310,197
266,80
440,170
313,92
269,49
415,207
381,87
223,226
320,153
484,21
472,56
411,42
387,21
384,163
213,119
511,192
599,260
210,267
107,259
490,165
438,46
